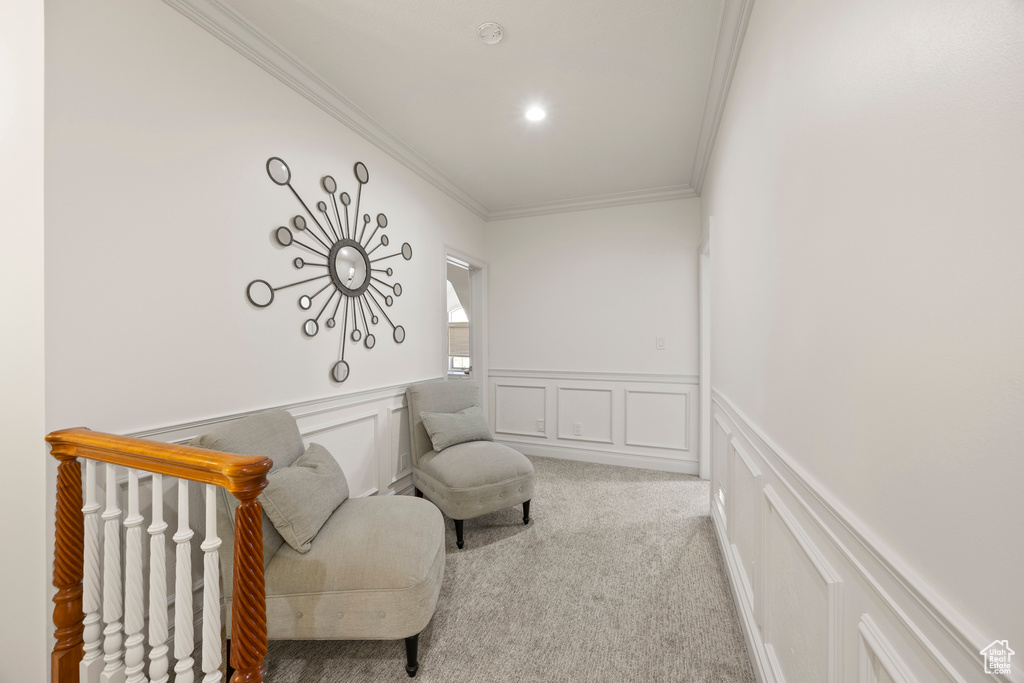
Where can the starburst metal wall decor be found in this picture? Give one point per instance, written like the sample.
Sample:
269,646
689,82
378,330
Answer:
343,249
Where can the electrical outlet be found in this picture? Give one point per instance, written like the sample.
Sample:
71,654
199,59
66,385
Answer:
577,428
540,425
659,343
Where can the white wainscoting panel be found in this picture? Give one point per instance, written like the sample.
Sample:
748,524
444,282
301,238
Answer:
802,622
366,431
632,420
354,443
653,419
746,521
590,409
828,602
400,462
879,662
721,442
517,407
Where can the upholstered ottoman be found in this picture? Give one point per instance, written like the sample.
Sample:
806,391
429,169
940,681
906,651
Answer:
456,464
335,568
373,572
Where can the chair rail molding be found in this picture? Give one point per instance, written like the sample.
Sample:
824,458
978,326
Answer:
380,470
596,376
924,638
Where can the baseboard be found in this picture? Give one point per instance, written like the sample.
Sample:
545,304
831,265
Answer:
601,457
751,631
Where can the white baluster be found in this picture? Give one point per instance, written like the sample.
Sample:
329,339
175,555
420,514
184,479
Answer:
113,670
184,629
157,587
92,660
211,591
134,614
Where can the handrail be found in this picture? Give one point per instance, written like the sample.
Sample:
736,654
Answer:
236,473
242,475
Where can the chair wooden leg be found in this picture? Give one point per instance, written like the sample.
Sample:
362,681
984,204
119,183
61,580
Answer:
227,658
458,533
526,512
419,494
411,645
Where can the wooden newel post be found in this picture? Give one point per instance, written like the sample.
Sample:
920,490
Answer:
249,602
68,553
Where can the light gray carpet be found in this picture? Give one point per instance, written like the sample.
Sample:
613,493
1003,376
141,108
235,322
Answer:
617,578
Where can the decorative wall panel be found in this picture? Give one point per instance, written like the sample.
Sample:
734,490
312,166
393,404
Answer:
658,419
585,414
826,603
746,523
879,662
517,409
366,431
801,601
721,435
622,419
354,444
401,444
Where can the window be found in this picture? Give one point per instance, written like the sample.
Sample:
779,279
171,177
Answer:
458,341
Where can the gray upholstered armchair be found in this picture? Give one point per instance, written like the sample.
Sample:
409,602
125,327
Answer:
456,464
335,568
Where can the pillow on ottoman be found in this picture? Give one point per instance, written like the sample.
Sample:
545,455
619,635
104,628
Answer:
451,429
299,498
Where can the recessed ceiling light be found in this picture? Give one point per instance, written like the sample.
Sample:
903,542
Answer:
491,33
535,113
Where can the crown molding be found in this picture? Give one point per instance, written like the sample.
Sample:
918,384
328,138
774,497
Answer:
735,15
239,34
604,201
242,36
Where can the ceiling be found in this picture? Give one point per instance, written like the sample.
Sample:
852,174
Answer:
633,90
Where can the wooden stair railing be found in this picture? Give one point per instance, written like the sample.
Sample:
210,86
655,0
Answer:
243,476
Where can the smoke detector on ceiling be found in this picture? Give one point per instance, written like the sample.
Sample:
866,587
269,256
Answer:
490,33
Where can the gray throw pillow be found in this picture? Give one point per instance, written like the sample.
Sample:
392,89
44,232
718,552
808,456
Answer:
300,498
449,429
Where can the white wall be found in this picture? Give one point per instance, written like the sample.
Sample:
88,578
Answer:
866,194
576,302
24,571
590,290
160,212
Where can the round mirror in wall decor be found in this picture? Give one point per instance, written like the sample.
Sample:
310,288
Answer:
346,288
